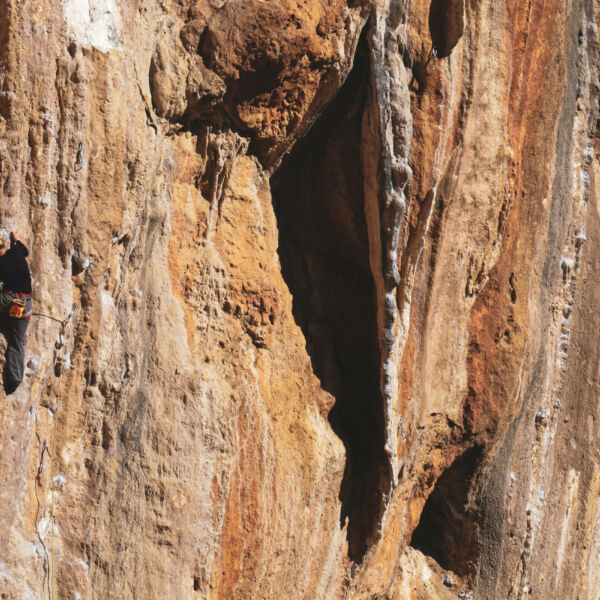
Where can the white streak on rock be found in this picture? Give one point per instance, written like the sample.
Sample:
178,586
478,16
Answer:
571,496
5,577
94,23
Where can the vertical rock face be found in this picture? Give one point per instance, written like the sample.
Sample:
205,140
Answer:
335,267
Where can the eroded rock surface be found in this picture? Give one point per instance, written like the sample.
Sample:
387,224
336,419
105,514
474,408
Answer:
335,267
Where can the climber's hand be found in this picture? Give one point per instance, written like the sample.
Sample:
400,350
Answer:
13,237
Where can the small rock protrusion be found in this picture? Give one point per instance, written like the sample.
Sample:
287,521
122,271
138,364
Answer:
45,200
107,435
567,265
513,291
33,364
191,34
79,158
59,482
541,419
78,264
579,238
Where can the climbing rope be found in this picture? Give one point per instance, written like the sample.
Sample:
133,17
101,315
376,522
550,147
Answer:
52,488
39,504
52,451
52,314
53,457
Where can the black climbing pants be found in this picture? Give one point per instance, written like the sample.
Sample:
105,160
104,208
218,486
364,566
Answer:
14,330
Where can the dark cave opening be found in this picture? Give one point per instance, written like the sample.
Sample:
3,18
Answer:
447,530
324,253
446,25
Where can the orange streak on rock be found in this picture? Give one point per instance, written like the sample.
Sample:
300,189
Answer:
500,317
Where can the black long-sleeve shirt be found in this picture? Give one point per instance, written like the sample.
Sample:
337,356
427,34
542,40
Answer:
14,271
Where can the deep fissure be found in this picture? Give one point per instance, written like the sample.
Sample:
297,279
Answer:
324,252
448,528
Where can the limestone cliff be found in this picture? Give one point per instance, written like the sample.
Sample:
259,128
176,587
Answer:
335,266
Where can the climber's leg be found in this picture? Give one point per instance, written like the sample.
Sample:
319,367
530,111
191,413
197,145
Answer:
15,353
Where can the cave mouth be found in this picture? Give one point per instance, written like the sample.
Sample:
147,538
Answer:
446,25
324,253
448,528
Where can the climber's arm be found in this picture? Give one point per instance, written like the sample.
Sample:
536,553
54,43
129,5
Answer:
14,241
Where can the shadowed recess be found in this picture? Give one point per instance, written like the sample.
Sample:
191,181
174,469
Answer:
446,24
447,530
324,253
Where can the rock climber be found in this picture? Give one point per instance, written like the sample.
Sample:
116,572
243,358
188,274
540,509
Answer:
15,308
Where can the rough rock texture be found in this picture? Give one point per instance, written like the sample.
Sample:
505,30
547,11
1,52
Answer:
336,274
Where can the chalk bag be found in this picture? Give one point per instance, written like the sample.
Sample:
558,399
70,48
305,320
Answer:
17,308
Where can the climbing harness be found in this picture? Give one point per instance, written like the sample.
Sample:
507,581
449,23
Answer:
18,305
